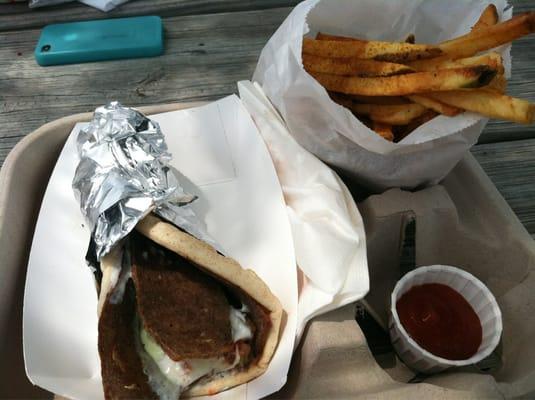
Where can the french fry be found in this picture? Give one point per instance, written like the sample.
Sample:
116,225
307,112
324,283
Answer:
488,17
391,114
353,66
498,84
490,104
380,51
478,40
439,107
341,99
384,100
400,114
326,36
410,39
366,77
400,132
492,60
383,130
401,85
431,64
490,37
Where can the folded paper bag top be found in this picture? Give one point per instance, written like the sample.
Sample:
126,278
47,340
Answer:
329,130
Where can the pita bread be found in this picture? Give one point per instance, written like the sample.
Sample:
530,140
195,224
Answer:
231,274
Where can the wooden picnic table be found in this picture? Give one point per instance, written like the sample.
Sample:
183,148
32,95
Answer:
209,46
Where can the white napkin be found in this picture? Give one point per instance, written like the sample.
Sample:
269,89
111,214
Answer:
331,131
327,229
102,5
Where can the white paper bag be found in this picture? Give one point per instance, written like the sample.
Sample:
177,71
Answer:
331,131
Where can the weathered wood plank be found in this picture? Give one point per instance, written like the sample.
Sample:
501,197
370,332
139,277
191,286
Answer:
511,167
19,16
521,6
204,58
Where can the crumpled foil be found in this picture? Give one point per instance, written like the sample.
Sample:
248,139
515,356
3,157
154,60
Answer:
123,175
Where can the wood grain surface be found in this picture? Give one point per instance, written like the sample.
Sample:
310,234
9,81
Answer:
205,55
511,167
17,16
210,45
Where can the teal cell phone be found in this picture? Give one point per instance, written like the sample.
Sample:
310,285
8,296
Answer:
108,39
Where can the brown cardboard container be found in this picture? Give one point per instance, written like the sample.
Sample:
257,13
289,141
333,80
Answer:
462,222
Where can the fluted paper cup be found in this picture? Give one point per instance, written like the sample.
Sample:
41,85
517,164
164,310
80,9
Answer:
473,290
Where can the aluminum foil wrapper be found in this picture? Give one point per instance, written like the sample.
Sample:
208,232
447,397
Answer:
123,175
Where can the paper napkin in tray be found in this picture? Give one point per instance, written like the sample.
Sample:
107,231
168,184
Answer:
327,229
329,130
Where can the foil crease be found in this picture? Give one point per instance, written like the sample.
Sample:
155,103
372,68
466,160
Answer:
124,174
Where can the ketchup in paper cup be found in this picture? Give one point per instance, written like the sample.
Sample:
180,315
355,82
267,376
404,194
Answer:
443,317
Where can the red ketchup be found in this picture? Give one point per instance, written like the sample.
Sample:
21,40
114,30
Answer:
440,320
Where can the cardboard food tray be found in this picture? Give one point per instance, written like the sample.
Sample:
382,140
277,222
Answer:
463,222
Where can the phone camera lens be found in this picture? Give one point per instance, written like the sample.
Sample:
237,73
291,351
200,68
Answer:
45,48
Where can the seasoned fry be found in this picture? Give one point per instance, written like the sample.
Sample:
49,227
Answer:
380,51
498,84
490,37
352,66
492,60
400,114
396,87
401,85
383,130
402,131
341,99
488,17
435,105
489,103
326,36
481,39
384,100
345,99
410,39
431,64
